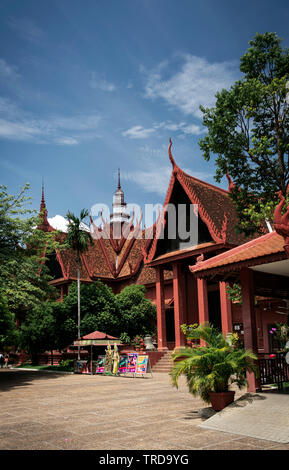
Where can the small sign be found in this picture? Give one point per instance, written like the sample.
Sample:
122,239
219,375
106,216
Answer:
122,365
141,365
131,363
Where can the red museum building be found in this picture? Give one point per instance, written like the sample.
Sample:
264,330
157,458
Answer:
188,283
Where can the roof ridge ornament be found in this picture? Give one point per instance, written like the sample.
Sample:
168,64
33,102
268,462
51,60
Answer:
231,183
281,222
175,166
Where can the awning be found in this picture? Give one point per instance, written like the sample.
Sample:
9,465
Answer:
96,342
96,338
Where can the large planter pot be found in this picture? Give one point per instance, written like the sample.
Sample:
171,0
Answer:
220,400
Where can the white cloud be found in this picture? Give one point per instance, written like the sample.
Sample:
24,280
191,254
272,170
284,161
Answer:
18,130
155,171
138,132
153,180
66,141
7,71
196,83
101,83
16,124
26,28
61,223
181,127
192,129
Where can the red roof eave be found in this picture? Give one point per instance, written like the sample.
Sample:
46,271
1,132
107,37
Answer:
188,253
267,248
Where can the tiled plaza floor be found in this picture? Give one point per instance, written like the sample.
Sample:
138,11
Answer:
77,412
261,416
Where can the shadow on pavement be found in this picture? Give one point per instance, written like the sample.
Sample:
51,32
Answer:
12,378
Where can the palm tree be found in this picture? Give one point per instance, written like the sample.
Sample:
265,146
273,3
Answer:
78,240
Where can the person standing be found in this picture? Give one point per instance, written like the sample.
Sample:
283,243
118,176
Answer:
1,360
6,360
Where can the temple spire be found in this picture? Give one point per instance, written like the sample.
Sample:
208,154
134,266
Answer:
118,185
119,206
42,204
44,224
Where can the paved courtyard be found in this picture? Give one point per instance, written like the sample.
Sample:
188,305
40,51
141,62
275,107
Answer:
77,412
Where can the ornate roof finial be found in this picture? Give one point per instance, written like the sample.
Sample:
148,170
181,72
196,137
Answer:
231,183
281,221
171,157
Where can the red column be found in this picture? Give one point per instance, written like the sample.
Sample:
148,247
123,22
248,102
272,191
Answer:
226,309
203,303
249,320
179,303
161,313
192,299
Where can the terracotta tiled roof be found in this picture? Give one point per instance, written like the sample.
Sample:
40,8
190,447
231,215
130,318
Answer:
98,335
216,208
252,251
103,261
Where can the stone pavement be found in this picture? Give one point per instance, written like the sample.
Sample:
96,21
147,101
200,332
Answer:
261,416
60,411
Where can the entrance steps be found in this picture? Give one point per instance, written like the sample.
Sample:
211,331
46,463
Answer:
164,364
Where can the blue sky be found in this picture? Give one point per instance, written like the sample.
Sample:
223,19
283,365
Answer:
87,87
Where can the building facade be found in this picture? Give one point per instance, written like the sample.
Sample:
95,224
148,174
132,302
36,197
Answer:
168,267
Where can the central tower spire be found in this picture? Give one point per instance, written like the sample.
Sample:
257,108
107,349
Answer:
44,224
119,206
118,186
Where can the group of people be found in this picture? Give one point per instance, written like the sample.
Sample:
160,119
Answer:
4,360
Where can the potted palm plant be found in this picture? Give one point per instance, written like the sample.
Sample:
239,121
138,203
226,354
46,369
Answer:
210,370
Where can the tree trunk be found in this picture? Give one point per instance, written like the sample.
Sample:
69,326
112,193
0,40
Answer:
78,308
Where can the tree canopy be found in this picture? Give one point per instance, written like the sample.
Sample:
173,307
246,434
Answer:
136,313
23,276
248,131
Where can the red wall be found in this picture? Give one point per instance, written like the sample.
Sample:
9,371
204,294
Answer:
266,314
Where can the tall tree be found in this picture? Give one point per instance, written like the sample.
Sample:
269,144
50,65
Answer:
137,315
23,283
37,332
78,239
248,131
98,308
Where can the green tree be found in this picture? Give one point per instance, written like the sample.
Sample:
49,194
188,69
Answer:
23,276
98,308
8,332
248,131
37,333
78,240
137,314
65,326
